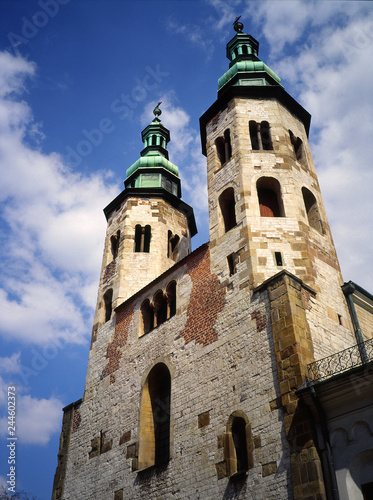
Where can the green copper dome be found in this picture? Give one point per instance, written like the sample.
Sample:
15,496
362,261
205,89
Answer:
153,169
245,68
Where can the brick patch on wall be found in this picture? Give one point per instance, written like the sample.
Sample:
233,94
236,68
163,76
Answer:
261,320
206,301
113,354
77,420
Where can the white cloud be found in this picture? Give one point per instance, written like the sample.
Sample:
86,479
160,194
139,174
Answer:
52,226
10,364
36,419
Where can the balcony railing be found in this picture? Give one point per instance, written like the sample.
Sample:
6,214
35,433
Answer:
340,362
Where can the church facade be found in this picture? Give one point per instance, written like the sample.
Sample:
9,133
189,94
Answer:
242,369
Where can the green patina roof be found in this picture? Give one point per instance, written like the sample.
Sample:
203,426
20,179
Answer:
245,68
153,169
149,162
246,71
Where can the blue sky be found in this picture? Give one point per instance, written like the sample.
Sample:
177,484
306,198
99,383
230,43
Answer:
78,81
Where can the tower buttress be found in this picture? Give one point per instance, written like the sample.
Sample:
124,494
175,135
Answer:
149,226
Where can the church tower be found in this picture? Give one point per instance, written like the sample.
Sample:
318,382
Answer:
266,209
149,227
199,381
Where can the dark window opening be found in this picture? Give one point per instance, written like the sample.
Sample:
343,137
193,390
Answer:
147,315
160,308
312,210
171,299
224,147
231,260
108,298
244,50
297,145
228,208
260,135
173,246
238,444
154,439
278,258
269,197
239,440
142,238
266,136
114,241
154,140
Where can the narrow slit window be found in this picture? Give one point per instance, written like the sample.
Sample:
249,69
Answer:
278,258
108,299
231,264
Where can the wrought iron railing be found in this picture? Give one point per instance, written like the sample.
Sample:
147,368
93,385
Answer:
340,362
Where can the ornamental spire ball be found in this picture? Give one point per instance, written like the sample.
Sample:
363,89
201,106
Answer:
237,26
157,112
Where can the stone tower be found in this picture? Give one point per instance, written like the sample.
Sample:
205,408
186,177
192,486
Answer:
266,208
149,227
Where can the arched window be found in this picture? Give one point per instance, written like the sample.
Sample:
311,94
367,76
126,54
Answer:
171,299
160,308
147,317
224,147
260,135
173,246
154,435
114,241
269,196
312,210
238,444
297,145
142,238
244,50
154,140
108,299
228,208
266,136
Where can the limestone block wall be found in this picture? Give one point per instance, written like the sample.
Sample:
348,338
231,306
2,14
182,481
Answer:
219,350
306,251
130,271
365,317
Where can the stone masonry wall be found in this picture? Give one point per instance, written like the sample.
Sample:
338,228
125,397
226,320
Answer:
223,363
